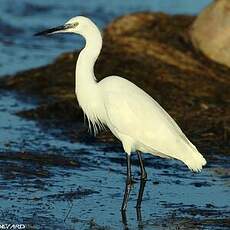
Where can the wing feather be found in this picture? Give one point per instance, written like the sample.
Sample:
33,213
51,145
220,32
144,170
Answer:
134,113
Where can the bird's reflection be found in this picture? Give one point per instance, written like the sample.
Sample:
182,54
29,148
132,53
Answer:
139,219
138,209
124,220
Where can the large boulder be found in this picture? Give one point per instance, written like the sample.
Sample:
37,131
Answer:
210,32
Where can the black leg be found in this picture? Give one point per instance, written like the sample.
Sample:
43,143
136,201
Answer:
128,184
143,172
143,181
140,194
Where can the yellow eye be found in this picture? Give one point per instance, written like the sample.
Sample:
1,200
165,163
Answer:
75,24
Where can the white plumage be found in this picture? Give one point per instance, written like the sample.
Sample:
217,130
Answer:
135,118
142,124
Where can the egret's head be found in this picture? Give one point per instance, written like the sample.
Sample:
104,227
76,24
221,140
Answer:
77,25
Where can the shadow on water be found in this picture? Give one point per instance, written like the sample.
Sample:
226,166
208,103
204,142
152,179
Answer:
50,183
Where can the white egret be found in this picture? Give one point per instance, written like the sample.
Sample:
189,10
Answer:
135,118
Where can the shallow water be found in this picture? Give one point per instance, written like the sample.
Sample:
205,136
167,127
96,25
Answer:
45,180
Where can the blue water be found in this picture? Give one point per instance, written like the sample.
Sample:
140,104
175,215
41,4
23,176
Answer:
19,19
173,194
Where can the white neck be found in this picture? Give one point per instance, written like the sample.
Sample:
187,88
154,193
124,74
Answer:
85,78
86,87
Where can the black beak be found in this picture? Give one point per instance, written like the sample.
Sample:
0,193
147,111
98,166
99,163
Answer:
52,30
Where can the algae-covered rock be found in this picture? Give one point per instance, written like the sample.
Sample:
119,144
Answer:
153,51
210,32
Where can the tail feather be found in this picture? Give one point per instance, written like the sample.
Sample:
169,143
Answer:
195,162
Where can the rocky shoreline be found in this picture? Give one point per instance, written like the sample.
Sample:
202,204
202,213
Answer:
154,51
